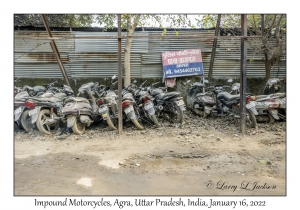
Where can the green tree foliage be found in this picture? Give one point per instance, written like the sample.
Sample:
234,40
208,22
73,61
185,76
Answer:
272,45
54,20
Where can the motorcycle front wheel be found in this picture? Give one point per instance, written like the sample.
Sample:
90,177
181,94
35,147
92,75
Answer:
136,121
78,127
112,123
154,120
137,124
250,119
43,127
175,113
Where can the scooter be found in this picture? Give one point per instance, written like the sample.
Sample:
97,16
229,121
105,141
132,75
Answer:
81,112
19,106
45,110
272,105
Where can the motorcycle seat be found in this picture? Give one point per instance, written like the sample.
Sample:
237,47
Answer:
279,94
204,94
171,94
228,96
77,99
261,96
60,95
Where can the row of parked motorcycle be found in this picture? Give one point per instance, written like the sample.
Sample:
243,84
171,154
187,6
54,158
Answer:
48,107
217,100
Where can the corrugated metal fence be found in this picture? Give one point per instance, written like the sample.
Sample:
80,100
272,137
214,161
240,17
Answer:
33,58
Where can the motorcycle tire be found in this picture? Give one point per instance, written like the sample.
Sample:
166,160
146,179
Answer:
137,124
154,120
205,115
44,128
78,127
111,124
175,114
26,121
251,119
17,127
271,119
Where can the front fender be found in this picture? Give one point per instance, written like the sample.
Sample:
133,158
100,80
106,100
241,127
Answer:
253,110
18,112
207,109
35,116
274,113
70,121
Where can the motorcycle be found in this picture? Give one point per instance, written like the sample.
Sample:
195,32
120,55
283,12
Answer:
229,104
81,112
129,107
199,101
169,104
45,110
19,106
17,89
108,106
272,86
270,107
145,104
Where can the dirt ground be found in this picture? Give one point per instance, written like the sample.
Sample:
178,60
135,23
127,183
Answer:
197,158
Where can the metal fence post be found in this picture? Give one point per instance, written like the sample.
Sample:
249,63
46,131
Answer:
243,74
120,117
55,51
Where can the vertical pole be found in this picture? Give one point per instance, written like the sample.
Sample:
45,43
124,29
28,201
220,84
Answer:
243,74
213,53
55,51
262,25
120,117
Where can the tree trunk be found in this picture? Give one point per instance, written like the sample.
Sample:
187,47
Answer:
268,71
127,59
130,30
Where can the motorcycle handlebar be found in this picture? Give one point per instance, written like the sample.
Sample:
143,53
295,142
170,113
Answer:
143,83
155,83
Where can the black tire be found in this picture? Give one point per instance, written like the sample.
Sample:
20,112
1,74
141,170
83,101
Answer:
78,127
45,128
175,114
17,127
250,119
26,121
154,120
